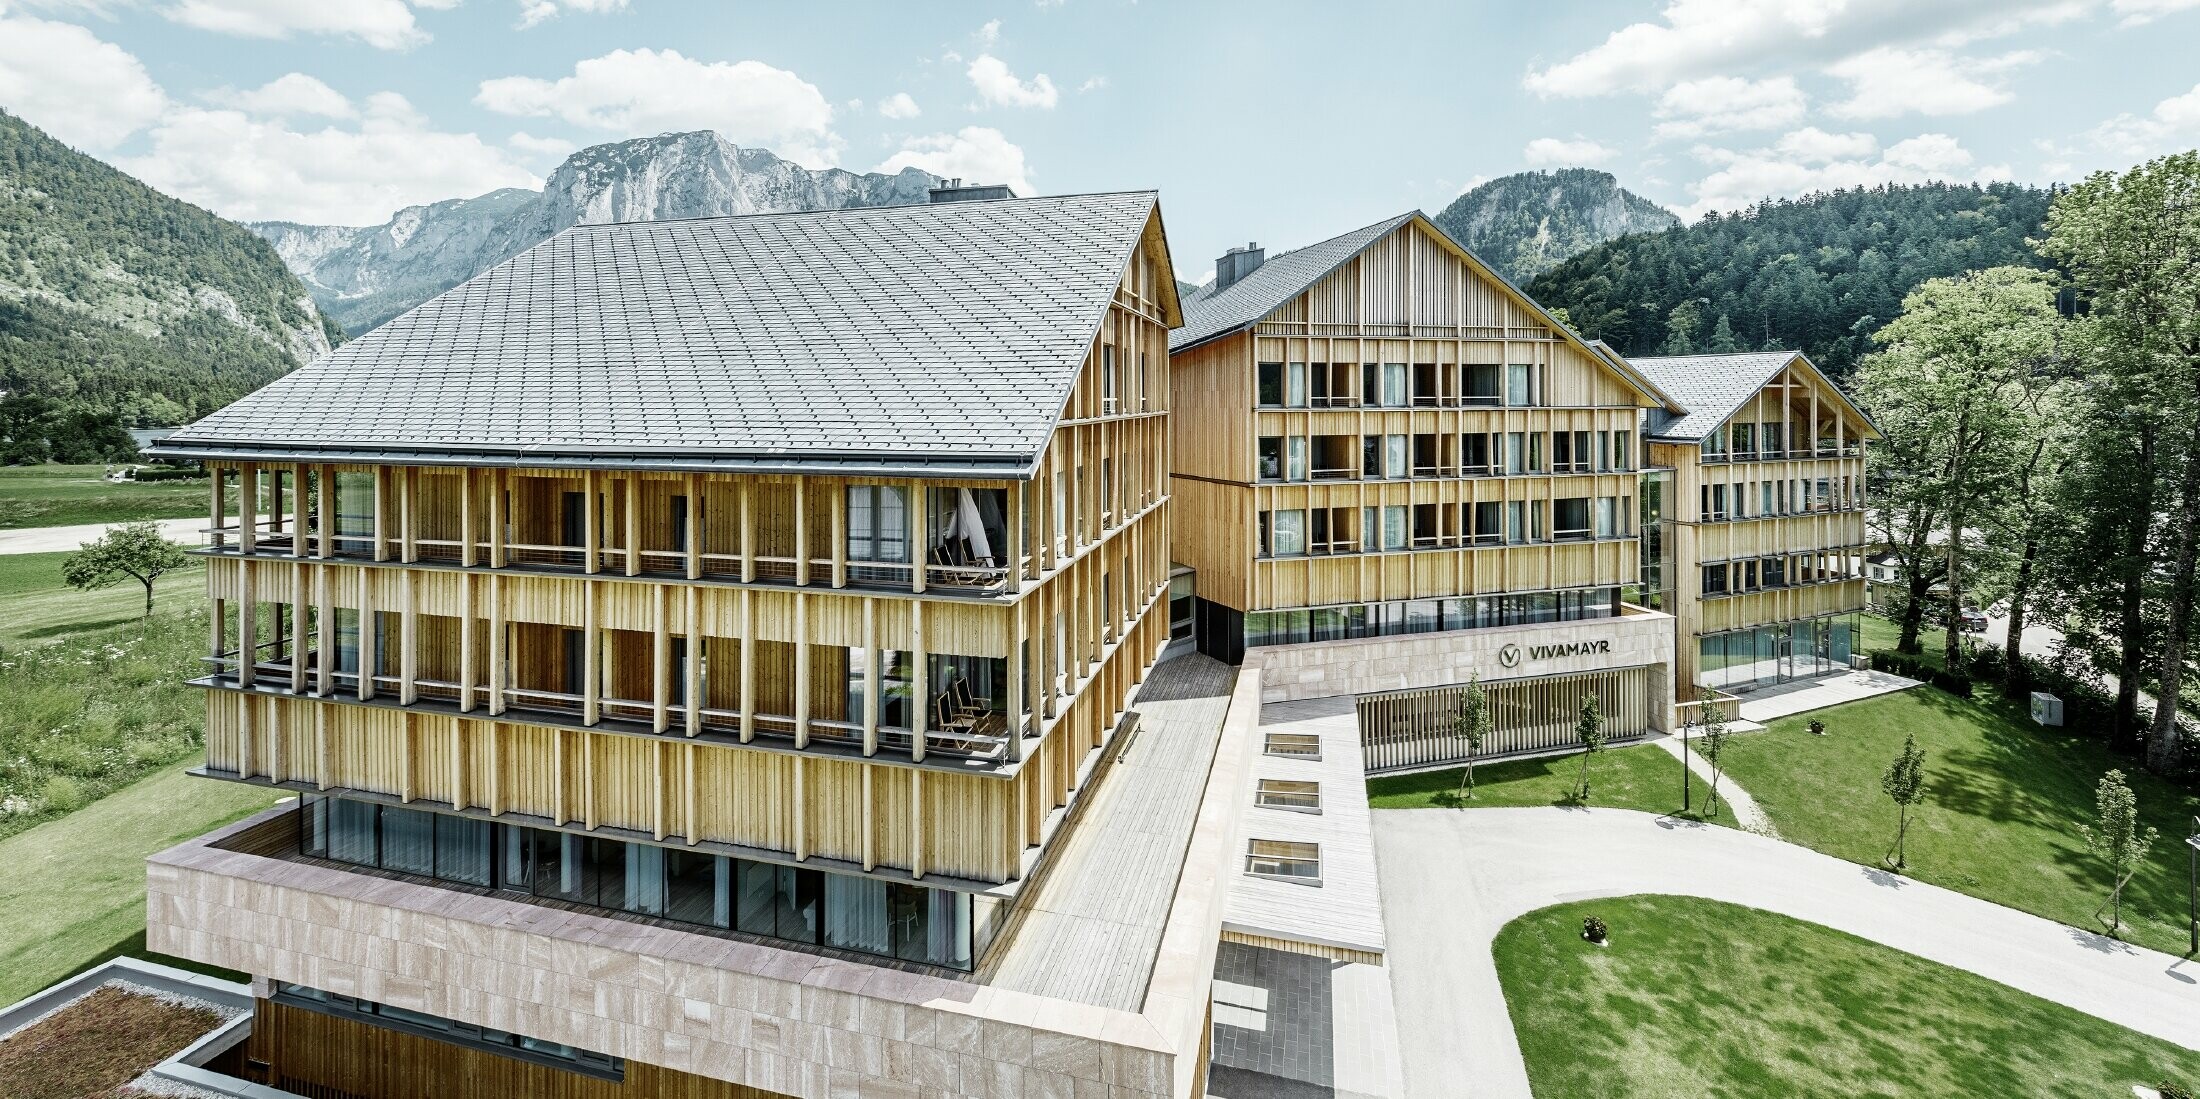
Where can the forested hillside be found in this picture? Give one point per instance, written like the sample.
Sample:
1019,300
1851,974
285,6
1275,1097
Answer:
120,303
1527,223
1820,273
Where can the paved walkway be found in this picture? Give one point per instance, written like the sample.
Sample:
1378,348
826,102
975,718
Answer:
50,539
1734,802
1794,698
1452,878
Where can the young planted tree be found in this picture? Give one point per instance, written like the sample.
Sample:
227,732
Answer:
2117,837
1711,742
2131,245
1904,783
134,550
1958,366
1471,723
1590,731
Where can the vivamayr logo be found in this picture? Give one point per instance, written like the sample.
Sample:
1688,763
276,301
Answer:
1570,648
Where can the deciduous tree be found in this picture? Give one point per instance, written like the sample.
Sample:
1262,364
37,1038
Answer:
1471,722
1904,783
1590,731
134,550
2118,838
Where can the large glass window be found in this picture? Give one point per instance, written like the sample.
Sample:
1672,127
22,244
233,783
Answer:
1288,532
1294,395
1396,463
1484,383
1268,455
1394,385
878,523
1297,451
1268,387
1519,384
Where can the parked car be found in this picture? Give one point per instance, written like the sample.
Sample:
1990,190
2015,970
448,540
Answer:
1974,620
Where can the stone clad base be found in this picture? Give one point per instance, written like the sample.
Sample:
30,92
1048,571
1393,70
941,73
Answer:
323,1057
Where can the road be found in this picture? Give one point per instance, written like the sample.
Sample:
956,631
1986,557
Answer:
51,539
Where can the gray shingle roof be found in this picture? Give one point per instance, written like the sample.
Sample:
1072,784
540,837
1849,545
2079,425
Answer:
940,339
1710,387
1211,313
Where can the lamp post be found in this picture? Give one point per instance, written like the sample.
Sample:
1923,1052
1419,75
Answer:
2192,884
1687,786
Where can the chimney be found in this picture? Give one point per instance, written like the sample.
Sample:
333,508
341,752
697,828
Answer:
953,190
1237,263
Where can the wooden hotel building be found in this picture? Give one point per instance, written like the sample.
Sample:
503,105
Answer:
728,613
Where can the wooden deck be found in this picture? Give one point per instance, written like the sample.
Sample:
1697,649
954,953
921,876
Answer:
1091,926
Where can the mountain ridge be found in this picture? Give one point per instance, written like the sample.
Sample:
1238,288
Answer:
1529,222
365,275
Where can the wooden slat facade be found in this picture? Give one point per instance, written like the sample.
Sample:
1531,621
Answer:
699,656
1413,728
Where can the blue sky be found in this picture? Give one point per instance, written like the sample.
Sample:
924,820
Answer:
1277,122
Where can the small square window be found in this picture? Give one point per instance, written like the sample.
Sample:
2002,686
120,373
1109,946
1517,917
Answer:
1294,745
1286,859
1282,793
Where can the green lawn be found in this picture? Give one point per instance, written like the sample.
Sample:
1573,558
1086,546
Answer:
74,891
59,496
39,608
2004,798
1643,777
1697,999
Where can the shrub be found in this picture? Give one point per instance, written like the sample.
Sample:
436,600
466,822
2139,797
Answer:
1816,727
2170,1089
64,794
171,474
1593,929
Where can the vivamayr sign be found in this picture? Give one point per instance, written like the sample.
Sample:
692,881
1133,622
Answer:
1510,656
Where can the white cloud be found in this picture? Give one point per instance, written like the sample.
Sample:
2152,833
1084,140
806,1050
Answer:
989,34
253,169
1842,160
1811,145
1700,38
286,95
2136,12
634,92
999,86
899,105
535,12
2173,124
1888,82
528,144
66,81
1551,150
979,154
384,23
1093,84
1722,104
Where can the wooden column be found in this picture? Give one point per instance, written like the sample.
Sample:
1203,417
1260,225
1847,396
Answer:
325,663
466,543
592,523
381,513
592,661
687,801
919,555
801,671
298,510
321,778
405,781
802,531
920,686
499,486
300,600
694,531
660,663
216,511
248,507
870,689
325,480
408,513
408,640
748,544
367,631
691,690
248,714
1015,552
497,676
870,825
916,824
248,626
465,642
458,765
838,508
633,518
801,810
1016,682
748,664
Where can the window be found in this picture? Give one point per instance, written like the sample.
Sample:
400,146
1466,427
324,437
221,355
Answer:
1293,745
1516,452
1293,794
1773,570
1744,440
1714,444
1483,382
1289,532
1286,859
1474,453
1395,461
1371,456
1489,522
1714,579
1516,521
1384,527
1268,386
1609,510
1294,385
1295,448
1519,384
1269,457
1107,380
878,523
1570,519
1394,385
517,1046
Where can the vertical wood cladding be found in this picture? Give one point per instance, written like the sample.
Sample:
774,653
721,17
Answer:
324,1057
676,618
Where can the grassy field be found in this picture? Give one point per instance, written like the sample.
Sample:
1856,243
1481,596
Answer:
58,496
1641,777
74,893
1695,999
2003,802
40,609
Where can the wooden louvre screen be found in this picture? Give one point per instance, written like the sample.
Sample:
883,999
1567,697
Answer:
1414,728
